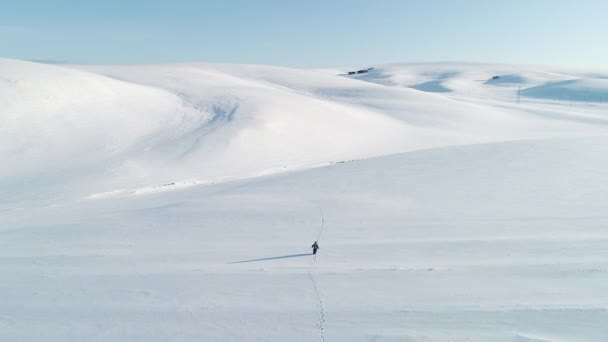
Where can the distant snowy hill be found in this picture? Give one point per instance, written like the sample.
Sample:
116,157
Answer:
197,123
477,80
178,203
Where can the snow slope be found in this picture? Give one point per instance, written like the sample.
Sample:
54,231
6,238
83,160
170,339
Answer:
198,123
178,202
587,89
500,242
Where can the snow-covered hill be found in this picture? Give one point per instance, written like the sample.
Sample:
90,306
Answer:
178,202
196,123
489,81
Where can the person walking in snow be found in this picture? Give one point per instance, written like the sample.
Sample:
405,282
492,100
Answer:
314,246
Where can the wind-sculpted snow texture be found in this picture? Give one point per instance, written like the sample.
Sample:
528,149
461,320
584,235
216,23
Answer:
179,203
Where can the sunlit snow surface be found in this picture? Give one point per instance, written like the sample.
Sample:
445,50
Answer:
179,203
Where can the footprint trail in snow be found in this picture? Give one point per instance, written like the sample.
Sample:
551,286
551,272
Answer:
321,323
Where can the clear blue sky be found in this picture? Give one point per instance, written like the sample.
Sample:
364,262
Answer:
306,33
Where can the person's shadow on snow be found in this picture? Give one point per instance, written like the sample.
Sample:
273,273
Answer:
271,258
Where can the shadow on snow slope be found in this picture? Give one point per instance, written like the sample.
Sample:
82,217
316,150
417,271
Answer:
271,258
